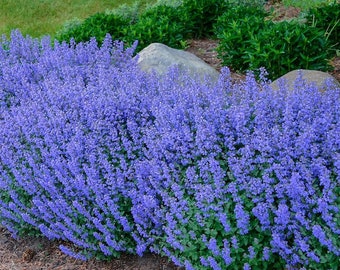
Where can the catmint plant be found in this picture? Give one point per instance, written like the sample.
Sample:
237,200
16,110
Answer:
214,176
247,176
71,130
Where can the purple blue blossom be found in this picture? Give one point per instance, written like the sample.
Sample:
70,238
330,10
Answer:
246,267
94,151
242,218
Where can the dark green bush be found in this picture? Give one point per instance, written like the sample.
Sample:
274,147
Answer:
96,26
234,29
158,24
285,46
327,17
201,15
250,42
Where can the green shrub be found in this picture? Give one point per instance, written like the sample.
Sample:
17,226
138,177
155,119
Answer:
129,12
96,26
201,15
284,46
327,17
234,29
158,24
248,15
251,42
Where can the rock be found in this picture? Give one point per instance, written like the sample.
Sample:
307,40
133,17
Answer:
310,76
159,58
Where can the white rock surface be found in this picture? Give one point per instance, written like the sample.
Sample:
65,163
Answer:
310,76
159,58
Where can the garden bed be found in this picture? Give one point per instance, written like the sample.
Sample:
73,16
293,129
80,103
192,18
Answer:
40,253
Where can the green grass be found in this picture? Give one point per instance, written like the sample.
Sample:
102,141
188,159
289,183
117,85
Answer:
42,17
306,4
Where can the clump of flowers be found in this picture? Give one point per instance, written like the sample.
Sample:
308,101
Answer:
246,176
71,130
95,152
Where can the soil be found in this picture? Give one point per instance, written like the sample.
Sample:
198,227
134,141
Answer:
38,253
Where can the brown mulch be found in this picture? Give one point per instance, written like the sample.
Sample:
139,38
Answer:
335,62
38,253
31,253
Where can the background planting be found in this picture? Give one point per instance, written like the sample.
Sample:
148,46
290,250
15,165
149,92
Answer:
248,38
327,17
97,153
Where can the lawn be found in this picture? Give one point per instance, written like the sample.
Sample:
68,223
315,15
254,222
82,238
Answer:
41,17
306,4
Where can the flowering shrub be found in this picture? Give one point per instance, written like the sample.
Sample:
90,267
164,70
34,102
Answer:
70,132
245,176
113,160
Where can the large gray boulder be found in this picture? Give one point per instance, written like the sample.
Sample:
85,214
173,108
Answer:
310,76
159,58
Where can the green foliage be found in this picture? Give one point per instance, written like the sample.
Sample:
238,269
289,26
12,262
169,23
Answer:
250,42
129,12
327,18
201,15
158,24
235,28
249,16
96,26
284,46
